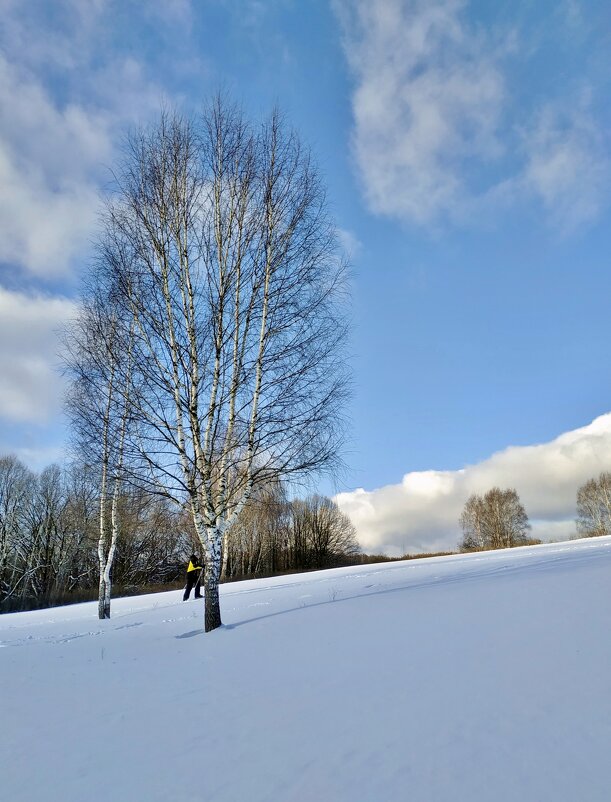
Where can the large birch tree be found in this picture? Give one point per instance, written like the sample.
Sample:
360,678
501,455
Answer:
222,253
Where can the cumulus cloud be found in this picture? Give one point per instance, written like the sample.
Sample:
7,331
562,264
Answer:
31,387
47,197
55,154
421,513
435,134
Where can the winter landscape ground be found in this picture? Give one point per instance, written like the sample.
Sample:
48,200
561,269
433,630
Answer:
477,677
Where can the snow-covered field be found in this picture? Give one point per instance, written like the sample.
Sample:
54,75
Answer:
479,677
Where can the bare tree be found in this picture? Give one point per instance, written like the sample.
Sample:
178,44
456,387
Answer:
496,520
17,484
50,532
272,533
99,361
472,522
276,511
322,534
256,543
594,507
221,250
38,542
245,541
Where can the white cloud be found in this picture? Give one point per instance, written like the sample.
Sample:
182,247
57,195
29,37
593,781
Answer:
567,164
54,154
421,513
434,134
47,198
31,387
428,98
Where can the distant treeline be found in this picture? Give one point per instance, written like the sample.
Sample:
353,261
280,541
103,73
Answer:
49,535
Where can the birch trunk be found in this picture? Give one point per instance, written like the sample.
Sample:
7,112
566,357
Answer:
106,557
212,614
103,612
106,571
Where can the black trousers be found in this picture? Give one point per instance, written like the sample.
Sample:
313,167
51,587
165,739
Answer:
193,578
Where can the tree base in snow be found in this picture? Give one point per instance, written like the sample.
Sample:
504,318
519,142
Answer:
212,613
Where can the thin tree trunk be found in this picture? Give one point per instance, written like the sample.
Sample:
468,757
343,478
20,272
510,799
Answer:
106,588
102,612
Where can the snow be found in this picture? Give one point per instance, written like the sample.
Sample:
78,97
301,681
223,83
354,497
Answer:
474,677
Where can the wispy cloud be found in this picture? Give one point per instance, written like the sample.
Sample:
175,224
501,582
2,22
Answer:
437,132
421,513
567,166
349,242
428,98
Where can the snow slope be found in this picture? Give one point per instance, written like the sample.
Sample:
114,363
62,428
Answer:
476,677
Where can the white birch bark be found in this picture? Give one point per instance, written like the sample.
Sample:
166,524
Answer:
107,550
103,608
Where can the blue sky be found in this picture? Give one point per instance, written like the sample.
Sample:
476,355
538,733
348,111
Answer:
467,152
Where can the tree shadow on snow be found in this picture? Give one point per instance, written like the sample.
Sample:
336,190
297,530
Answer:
191,634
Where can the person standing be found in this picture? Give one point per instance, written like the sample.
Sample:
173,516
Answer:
194,577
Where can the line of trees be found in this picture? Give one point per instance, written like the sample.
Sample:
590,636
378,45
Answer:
274,535
49,537
49,533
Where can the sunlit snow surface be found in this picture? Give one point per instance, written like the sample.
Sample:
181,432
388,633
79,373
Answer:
480,677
